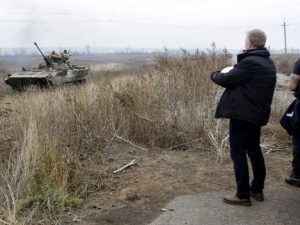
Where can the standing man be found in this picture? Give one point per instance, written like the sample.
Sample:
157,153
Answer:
247,103
55,57
293,85
65,57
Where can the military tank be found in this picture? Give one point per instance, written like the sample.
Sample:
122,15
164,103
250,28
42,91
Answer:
49,73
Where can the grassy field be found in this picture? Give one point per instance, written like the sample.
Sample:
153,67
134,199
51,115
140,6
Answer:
161,102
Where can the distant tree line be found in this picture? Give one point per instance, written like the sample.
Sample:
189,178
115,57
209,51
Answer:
23,52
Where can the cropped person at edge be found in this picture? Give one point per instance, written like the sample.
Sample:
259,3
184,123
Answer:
246,101
293,85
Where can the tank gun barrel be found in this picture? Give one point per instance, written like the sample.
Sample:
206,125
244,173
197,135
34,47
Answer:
46,60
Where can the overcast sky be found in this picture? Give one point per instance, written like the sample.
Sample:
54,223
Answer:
175,24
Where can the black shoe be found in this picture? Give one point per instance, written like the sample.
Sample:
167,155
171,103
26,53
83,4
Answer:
257,196
293,180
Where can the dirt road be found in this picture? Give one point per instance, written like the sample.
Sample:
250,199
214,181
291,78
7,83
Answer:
196,182
281,207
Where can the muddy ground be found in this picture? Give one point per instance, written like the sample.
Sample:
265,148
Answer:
139,193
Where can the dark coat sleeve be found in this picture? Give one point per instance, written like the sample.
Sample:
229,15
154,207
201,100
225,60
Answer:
296,69
235,77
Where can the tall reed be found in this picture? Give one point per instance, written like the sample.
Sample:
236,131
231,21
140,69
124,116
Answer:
49,135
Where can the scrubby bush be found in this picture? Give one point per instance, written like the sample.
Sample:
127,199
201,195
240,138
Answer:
284,63
47,135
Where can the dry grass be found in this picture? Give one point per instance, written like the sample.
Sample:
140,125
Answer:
46,135
285,63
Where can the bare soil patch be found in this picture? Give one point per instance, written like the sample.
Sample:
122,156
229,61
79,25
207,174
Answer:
138,194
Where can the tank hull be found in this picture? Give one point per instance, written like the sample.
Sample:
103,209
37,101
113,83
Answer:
47,77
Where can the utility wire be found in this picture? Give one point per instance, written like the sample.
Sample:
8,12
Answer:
137,20
137,23
213,27
203,12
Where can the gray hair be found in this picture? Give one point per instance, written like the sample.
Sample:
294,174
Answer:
257,38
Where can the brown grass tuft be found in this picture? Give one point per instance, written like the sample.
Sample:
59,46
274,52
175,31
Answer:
49,136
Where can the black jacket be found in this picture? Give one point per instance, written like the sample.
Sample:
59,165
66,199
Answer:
249,88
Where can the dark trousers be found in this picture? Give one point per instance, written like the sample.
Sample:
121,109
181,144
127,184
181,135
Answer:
245,140
296,152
